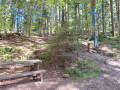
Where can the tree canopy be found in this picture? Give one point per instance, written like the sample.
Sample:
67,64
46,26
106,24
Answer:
44,17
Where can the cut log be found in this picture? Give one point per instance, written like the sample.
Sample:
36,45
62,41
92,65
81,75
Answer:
18,75
21,62
15,67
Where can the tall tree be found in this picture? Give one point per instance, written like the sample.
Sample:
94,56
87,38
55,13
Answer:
119,18
103,17
42,32
93,5
112,18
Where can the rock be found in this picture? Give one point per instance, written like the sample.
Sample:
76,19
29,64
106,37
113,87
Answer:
104,70
66,76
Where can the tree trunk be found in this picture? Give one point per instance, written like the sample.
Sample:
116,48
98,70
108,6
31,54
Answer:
62,15
42,19
119,18
103,16
112,18
75,8
93,5
117,10
17,22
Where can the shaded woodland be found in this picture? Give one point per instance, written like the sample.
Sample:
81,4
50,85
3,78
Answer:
61,35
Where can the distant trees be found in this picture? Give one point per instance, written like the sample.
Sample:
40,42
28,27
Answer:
45,17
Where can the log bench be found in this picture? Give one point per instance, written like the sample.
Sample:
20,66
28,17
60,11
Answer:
34,64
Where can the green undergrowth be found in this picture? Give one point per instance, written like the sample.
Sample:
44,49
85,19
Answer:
83,69
45,57
111,43
8,53
62,50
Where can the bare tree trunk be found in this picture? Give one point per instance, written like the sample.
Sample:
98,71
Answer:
93,5
119,18
17,22
103,16
42,18
117,6
59,14
75,8
68,12
62,15
112,18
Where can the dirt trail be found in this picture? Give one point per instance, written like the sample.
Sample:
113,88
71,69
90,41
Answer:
110,77
108,80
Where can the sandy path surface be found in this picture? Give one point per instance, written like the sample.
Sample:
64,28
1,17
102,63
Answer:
108,80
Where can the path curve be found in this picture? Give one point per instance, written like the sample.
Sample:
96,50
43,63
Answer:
108,80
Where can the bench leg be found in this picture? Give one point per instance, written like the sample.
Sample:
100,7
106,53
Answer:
34,77
41,77
1,83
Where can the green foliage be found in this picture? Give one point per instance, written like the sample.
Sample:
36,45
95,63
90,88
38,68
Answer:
7,53
112,55
48,15
7,50
80,47
104,38
83,69
45,57
112,44
111,41
65,34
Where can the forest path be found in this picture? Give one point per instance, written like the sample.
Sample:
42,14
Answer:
110,77
108,80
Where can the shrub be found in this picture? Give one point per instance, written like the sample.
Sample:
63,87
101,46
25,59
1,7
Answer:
83,69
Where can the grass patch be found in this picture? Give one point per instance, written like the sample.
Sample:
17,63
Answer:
83,69
45,46
8,53
111,43
112,55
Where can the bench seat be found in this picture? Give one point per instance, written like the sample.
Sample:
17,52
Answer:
18,75
20,62
34,64
16,67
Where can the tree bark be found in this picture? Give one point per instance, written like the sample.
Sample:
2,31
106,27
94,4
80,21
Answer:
42,18
103,16
119,18
93,5
63,15
112,18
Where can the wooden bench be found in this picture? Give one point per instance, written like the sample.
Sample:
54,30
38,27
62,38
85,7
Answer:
35,64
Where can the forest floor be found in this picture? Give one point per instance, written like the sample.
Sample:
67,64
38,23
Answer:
109,79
